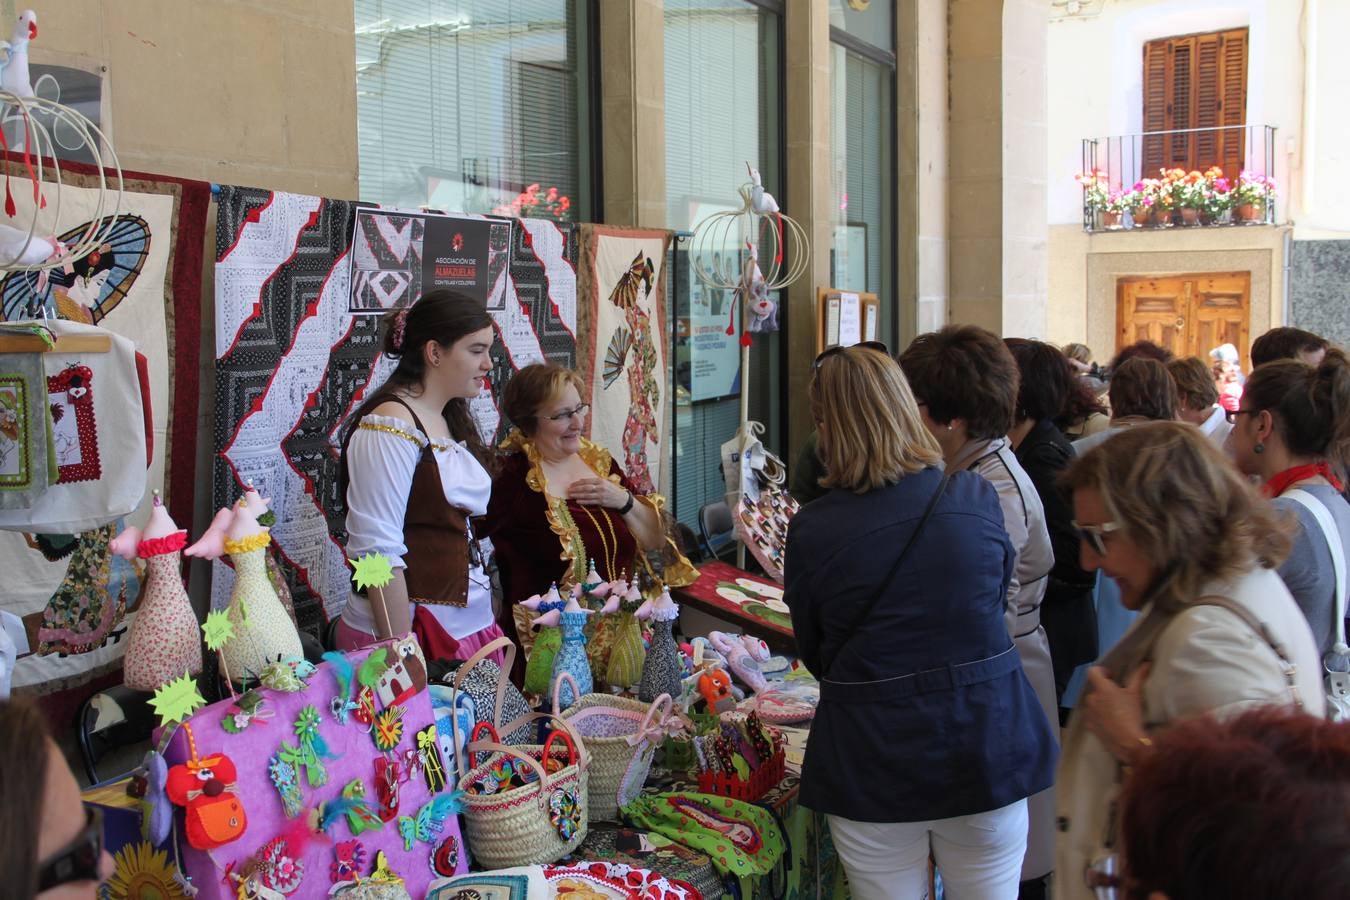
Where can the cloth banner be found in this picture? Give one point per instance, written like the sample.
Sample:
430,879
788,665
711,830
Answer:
622,356
293,361
75,599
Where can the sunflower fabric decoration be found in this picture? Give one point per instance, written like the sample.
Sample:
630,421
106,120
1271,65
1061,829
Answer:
139,870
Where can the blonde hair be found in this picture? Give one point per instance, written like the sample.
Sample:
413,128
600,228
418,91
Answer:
870,431
1180,500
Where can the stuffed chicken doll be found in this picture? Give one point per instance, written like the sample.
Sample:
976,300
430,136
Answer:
263,633
662,669
164,641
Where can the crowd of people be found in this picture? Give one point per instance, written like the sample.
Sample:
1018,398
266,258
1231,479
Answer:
1076,627
1171,682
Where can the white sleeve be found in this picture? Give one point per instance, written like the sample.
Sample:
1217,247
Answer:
381,456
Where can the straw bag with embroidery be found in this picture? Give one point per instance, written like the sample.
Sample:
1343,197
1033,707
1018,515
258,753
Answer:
525,805
622,736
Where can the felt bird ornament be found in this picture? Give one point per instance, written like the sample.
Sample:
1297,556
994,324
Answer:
14,75
554,616
762,202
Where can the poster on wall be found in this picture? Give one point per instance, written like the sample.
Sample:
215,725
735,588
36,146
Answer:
714,359
397,256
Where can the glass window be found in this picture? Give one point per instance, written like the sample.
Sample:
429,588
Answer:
723,74
871,21
462,105
862,116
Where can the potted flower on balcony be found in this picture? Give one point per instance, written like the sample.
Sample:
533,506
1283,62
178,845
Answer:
1097,197
537,203
1252,195
1188,193
1218,198
1142,201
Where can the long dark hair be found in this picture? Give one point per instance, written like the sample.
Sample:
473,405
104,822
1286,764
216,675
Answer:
1311,406
24,758
443,316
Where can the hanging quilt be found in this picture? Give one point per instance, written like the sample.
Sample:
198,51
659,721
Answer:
293,361
143,282
24,433
623,356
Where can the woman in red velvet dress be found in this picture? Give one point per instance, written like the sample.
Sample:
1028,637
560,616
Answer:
560,503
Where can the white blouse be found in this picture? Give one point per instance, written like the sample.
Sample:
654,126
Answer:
381,457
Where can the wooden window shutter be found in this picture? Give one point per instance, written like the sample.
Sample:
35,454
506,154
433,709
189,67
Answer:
1233,61
1155,105
1195,81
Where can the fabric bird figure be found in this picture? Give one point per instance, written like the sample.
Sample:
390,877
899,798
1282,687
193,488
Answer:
571,657
14,76
661,670
263,633
164,641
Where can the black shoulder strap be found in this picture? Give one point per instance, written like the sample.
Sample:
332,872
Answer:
895,567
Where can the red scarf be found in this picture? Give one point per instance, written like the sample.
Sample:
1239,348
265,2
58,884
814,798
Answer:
1281,482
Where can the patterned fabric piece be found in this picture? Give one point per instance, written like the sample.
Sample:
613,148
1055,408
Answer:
292,363
652,851
539,669
24,430
623,881
164,641
481,685
523,883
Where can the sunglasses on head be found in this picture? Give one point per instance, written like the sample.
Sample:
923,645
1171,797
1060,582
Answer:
79,861
840,348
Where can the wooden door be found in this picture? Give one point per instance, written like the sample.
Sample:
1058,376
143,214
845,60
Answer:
1187,314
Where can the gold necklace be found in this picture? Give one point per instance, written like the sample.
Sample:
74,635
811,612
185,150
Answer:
610,556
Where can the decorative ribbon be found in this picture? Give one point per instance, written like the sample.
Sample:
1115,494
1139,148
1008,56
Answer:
671,725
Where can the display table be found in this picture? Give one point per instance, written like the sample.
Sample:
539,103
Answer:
753,603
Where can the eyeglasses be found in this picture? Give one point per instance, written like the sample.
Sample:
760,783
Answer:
839,348
1096,534
79,861
1232,414
580,410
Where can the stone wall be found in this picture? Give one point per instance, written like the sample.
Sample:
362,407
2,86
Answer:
1319,288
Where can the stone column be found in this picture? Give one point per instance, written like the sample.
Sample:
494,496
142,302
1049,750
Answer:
809,189
996,151
633,112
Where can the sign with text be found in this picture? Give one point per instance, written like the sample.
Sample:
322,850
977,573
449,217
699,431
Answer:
397,256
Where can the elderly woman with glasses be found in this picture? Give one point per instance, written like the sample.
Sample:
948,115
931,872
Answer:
1193,548
561,508
928,738
51,846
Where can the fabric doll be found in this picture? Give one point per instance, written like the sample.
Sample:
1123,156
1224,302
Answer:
546,643
571,657
164,641
661,669
626,656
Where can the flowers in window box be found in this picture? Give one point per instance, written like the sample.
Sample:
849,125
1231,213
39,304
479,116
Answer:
1253,189
1096,188
537,203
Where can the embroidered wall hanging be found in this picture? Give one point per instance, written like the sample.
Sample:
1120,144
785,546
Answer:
24,432
623,356
74,434
292,362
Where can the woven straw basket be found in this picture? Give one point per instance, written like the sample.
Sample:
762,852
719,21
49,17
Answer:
622,736
519,827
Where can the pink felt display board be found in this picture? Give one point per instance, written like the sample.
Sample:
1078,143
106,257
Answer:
352,744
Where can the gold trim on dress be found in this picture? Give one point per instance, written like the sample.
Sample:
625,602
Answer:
679,571
390,429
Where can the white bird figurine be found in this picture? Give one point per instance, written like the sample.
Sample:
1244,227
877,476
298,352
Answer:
554,617
761,201
14,75
23,250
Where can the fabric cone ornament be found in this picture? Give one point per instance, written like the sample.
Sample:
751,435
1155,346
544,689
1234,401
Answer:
661,670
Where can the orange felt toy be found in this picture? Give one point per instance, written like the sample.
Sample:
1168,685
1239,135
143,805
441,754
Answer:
205,788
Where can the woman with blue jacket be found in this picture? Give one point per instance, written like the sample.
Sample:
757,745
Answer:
928,737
